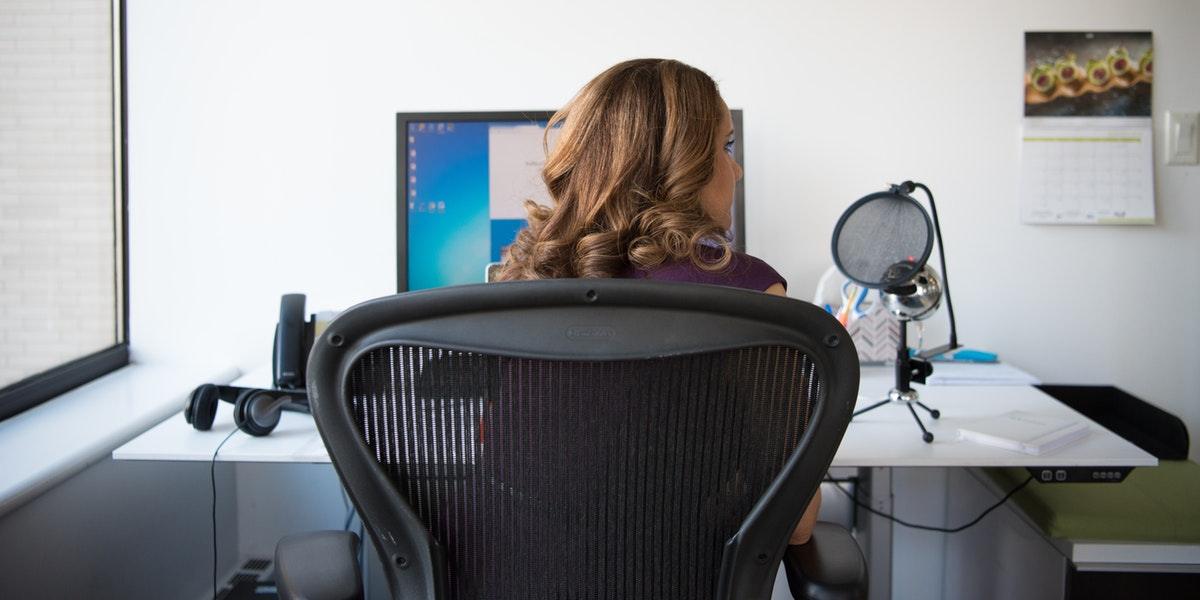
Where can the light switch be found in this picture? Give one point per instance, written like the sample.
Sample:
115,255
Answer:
1183,138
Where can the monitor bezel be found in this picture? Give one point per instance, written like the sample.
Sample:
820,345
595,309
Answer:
532,117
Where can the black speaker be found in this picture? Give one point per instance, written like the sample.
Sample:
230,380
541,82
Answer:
293,342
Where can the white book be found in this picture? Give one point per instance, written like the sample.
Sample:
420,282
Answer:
952,373
1024,432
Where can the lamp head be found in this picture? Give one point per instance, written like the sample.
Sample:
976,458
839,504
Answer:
916,299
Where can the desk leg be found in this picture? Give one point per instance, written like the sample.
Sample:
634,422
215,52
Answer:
875,532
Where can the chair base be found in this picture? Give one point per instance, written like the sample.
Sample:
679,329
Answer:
829,567
319,565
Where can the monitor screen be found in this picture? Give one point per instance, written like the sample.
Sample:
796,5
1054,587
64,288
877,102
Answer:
462,182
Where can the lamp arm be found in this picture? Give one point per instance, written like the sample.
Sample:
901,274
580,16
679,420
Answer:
937,229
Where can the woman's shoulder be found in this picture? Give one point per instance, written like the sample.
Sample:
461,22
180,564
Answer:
743,271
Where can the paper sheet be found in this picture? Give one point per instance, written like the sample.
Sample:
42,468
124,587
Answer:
1087,170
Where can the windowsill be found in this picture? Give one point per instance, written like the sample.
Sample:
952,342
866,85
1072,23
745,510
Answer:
53,441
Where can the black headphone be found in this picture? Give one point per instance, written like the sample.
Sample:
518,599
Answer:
256,411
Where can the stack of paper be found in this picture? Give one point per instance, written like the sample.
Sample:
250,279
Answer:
953,373
1024,432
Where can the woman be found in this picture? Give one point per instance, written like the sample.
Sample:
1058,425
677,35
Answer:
643,178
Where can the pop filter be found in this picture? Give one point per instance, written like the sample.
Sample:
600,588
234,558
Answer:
882,240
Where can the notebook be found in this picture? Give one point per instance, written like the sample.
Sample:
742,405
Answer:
1024,432
951,373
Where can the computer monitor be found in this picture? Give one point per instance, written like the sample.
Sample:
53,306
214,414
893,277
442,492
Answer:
462,179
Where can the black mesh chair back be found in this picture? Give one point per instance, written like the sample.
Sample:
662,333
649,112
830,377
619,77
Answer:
582,438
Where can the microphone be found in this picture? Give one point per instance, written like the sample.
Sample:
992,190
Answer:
882,242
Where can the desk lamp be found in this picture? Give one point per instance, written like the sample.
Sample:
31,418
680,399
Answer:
882,242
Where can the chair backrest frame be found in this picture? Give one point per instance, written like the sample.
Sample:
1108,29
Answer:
582,319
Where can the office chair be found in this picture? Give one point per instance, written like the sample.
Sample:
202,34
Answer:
581,438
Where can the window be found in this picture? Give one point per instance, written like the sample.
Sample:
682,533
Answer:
63,316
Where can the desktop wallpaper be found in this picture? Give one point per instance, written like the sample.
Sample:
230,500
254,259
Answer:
455,226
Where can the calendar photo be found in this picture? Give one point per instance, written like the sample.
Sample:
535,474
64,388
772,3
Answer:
1088,74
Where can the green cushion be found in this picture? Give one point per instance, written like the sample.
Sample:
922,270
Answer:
1153,504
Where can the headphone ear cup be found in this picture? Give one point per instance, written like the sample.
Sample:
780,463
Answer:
255,412
201,408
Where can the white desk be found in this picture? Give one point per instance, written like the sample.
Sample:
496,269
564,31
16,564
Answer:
294,440
875,441
888,436
884,437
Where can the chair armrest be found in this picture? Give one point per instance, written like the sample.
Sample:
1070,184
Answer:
829,567
318,565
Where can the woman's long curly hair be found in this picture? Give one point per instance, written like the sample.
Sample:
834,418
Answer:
637,145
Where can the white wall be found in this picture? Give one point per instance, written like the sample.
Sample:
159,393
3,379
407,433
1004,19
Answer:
1004,556
262,153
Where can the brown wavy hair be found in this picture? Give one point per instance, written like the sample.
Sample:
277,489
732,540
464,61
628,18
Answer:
637,145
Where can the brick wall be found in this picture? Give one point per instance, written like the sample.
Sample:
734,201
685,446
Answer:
57,276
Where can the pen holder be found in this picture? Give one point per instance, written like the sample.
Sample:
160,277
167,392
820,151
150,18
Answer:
875,335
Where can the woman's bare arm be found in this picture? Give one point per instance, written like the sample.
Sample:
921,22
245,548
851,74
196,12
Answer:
804,530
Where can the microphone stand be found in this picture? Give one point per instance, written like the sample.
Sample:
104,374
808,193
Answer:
909,369
937,230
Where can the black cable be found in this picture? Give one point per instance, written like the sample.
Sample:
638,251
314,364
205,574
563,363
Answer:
350,511
213,476
362,558
854,497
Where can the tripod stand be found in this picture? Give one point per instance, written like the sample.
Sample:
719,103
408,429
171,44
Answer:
908,370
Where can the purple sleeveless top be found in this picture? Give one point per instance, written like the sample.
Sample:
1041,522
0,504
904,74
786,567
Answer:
744,271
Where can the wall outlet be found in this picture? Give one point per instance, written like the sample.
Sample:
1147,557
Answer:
1183,138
